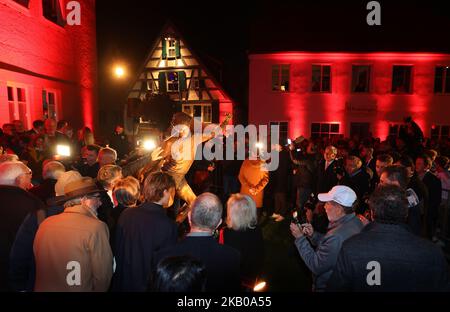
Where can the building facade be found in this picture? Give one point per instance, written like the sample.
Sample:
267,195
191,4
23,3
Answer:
346,94
47,67
173,69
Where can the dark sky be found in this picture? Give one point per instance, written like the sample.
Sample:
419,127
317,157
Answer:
223,32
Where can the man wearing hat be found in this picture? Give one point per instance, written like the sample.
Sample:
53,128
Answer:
343,224
72,250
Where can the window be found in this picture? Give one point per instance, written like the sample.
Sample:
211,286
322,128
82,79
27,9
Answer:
321,78
401,79
204,111
280,78
172,82
395,129
49,104
17,104
442,79
23,2
361,78
171,48
327,130
52,11
283,128
440,132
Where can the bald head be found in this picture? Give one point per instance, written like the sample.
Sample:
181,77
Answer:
52,170
15,173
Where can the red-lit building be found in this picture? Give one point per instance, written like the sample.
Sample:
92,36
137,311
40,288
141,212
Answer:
328,94
47,68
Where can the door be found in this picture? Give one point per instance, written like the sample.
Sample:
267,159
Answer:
361,129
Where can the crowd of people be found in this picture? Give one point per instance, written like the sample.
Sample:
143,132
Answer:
100,221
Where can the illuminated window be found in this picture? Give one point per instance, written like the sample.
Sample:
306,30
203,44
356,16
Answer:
324,130
321,78
442,79
284,130
361,78
280,78
203,111
401,79
52,11
171,49
23,2
440,132
172,82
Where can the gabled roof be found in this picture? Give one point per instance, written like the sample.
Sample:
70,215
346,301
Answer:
169,26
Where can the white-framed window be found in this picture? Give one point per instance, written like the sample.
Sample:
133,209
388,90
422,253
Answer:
325,129
18,104
49,104
280,77
361,78
171,48
204,111
321,78
402,79
172,82
440,132
284,130
442,79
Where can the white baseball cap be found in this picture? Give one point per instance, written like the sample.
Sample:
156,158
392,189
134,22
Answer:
340,194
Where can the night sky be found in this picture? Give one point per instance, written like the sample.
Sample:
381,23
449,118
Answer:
222,33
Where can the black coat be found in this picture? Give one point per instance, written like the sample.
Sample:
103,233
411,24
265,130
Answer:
407,262
434,187
359,183
15,205
222,262
140,232
327,179
250,244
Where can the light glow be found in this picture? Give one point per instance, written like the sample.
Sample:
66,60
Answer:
63,150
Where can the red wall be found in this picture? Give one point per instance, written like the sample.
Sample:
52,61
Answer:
42,55
300,107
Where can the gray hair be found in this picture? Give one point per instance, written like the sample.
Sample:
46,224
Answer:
53,170
10,171
241,212
206,212
73,202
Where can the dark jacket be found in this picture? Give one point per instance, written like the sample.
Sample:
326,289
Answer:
434,187
322,260
407,262
140,232
15,205
88,171
326,179
221,262
22,268
250,244
306,170
359,182
45,190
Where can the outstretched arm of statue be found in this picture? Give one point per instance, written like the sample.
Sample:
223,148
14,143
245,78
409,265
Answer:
209,136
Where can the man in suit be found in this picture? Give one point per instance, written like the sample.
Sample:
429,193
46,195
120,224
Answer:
326,175
142,231
222,262
356,176
434,187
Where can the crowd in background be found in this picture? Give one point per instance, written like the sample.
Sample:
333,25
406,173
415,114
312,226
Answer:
99,211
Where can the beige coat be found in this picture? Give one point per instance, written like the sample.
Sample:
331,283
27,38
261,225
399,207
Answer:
252,176
75,235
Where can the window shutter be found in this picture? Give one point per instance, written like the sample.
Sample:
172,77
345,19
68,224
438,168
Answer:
182,80
164,49
162,82
177,49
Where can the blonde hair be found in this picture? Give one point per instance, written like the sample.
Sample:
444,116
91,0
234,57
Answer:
127,191
241,212
107,174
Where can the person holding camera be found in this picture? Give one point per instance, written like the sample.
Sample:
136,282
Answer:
343,225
